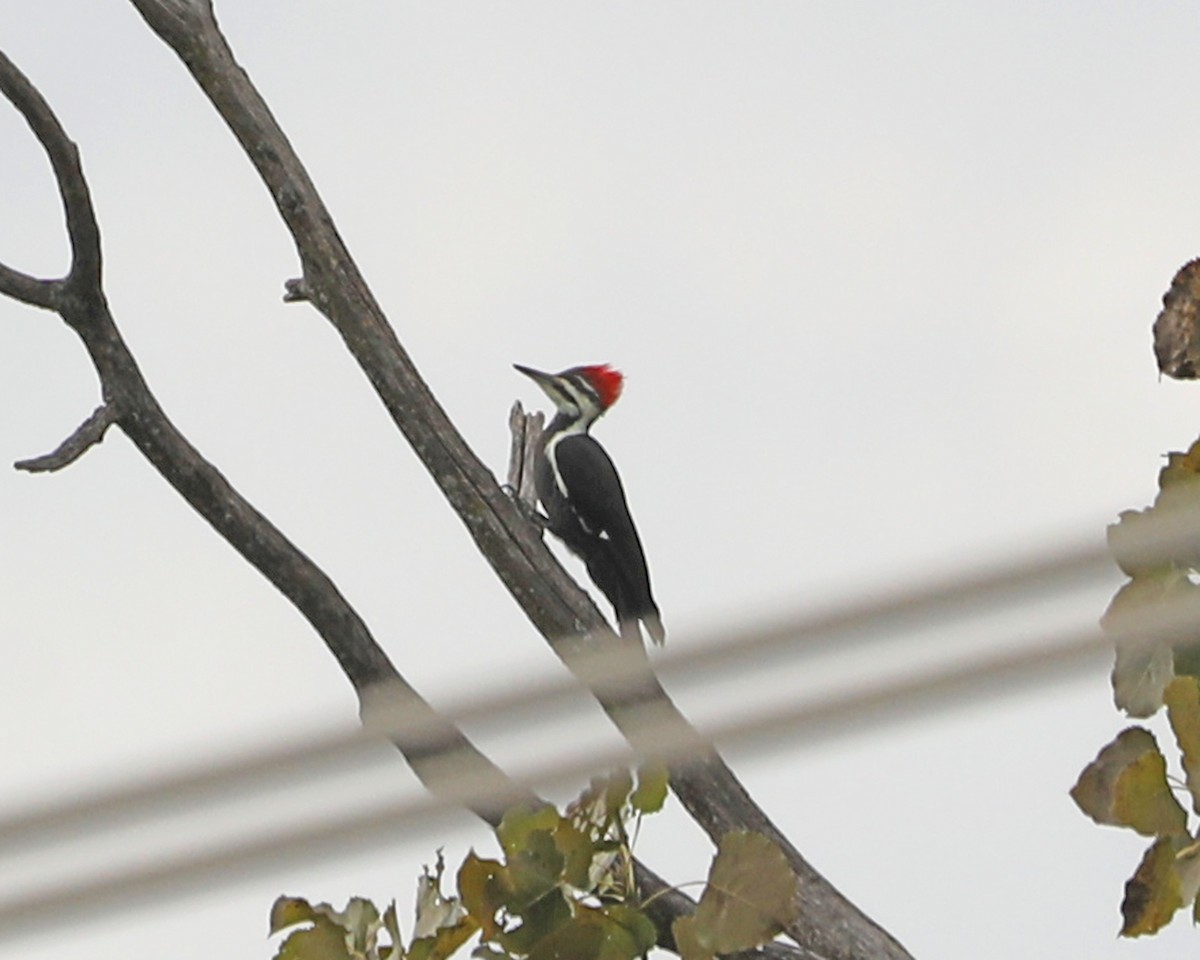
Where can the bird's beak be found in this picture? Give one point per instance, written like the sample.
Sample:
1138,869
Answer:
543,380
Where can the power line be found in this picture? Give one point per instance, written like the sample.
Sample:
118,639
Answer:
343,835
799,635
795,637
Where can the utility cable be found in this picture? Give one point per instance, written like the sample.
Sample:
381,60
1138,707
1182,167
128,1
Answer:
799,635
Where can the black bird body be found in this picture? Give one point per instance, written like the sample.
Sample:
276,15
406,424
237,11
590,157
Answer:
584,499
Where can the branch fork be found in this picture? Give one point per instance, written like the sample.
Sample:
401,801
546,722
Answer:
828,925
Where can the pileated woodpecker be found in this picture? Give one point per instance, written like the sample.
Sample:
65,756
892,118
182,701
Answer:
583,497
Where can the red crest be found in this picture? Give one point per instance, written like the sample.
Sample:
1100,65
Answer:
607,381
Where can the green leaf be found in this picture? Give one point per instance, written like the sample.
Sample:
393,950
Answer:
443,943
577,850
354,929
616,792
538,921
289,911
484,888
1152,894
688,942
324,940
1182,698
1143,800
575,940
519,822
1187,659
485,951
630,923
533,870
750,897
1126,786
651,792
612,932
1187,866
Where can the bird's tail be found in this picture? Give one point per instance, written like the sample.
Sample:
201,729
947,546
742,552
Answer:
631,625
653,624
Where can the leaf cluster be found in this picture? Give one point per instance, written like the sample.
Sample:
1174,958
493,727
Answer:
562,887
361,932
1145,664
1127,785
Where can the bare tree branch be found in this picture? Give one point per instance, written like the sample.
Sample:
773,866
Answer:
828,924
27,289
77,201
136,411
526,431
86,435
130,404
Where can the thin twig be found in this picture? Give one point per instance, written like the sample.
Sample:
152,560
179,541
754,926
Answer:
86,435
295,291
526,431
64,159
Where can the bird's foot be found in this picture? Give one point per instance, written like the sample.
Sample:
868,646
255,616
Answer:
528,510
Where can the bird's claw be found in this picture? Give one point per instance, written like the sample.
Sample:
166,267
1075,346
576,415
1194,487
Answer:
528,510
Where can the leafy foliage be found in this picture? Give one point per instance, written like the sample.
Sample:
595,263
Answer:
563,887
1127,784
442,926
1145,665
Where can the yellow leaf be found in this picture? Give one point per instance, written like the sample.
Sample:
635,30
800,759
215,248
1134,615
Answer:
1143,800
289,911
354,930
651,792
1152,894
688,941
443,943
1182,698
750,897
1126,786
519,822
324,940
484,887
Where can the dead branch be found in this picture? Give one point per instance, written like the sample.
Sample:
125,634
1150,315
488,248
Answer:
132,407
31,290
84,275
86,435
829,924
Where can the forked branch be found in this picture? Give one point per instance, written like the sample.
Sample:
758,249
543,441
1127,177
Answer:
828,923
84,276
131,406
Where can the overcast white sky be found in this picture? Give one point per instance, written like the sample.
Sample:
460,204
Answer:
881,277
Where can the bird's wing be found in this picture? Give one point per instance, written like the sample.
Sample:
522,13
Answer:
593,486
594,490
